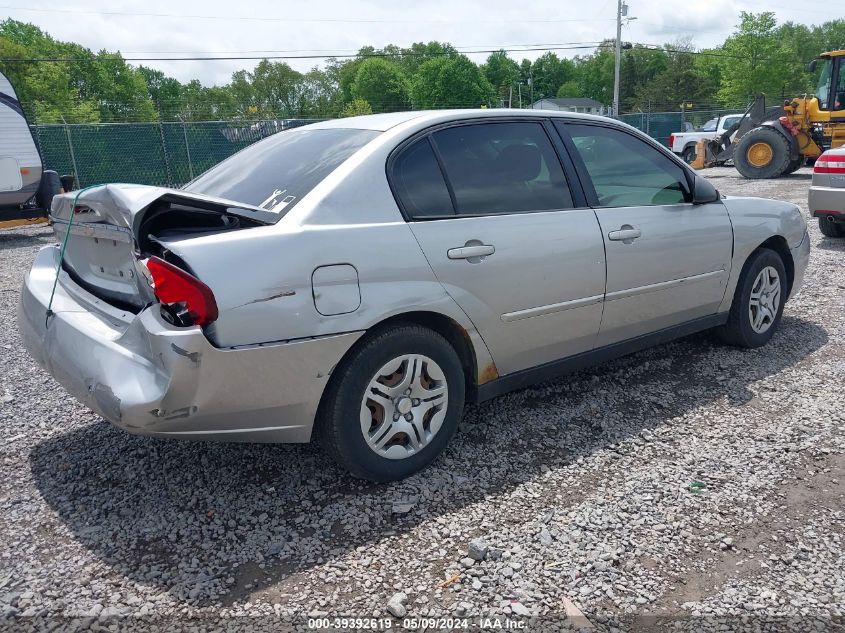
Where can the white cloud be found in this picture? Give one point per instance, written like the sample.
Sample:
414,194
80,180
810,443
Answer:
487,23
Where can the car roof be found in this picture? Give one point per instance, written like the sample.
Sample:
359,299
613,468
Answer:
383,122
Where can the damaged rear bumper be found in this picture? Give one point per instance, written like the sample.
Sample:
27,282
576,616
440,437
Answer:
149,377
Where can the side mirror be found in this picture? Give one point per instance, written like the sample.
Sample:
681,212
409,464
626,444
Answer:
811,67
703,192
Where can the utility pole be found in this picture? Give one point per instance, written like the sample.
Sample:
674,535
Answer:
618,59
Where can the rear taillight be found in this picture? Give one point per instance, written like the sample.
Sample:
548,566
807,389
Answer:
191,301
671,141
829,163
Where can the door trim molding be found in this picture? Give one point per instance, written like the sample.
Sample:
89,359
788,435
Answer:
557,368
663,285
518,315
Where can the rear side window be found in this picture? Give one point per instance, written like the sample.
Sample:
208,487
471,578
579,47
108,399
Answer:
276,173
496,168
419,182
626,171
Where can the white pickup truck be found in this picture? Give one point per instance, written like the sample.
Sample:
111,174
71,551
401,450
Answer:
683,143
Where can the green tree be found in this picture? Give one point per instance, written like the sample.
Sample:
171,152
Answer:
639,68
548,73
356,107
411,58
165,92
680,80
321,94
756,61
569,89
594,73
502,73
275,88
380,83
452,81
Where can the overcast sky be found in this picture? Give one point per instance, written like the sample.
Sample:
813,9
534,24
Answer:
335,26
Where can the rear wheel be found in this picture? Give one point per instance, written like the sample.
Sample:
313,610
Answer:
831,229
689,154
758,301
762,153
393,404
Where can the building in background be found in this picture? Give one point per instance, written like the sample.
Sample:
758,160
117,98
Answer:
572,104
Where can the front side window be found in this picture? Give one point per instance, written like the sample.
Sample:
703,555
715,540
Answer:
839,92
496,168
823,87
625,170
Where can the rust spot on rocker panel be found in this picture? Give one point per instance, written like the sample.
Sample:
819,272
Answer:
488,373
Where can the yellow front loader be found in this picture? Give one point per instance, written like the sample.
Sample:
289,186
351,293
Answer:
777,141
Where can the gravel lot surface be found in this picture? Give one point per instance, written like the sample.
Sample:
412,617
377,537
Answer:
689,480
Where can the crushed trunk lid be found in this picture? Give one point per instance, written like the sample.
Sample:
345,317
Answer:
116,226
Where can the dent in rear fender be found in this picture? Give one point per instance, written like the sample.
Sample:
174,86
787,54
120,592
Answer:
754,221
393,276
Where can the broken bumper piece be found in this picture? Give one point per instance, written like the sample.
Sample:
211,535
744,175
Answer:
149,377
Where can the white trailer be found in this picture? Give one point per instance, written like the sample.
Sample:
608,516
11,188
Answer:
20,162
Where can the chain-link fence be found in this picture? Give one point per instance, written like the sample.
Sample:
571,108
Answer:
166,154
659,125
173,153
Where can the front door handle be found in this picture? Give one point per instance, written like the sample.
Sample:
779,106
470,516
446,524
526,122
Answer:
467,252
625,234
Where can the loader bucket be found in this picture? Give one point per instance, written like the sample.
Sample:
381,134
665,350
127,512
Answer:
700,161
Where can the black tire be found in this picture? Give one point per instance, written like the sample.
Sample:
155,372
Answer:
688,154
338,426
795,165
779,146
49,187
831,229
738,330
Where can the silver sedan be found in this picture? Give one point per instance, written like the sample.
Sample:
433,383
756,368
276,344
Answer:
359,280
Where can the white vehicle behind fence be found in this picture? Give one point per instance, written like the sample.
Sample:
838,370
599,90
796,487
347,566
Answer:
20,163
26,188
683,143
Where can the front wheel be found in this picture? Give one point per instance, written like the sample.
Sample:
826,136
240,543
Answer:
393,404
762,153
758,301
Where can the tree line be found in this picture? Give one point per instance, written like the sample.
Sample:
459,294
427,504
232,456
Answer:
759,56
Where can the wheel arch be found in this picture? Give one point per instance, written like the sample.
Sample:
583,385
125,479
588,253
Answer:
475,359
779,245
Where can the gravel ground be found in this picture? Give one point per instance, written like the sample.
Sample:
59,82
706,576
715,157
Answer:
689,485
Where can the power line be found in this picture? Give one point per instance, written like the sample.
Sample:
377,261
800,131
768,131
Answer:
261,57
333,52
127,14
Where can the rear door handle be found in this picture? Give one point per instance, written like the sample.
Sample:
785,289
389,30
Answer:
465,252
626,234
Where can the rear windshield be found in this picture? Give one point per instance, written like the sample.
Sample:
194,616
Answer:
277,172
